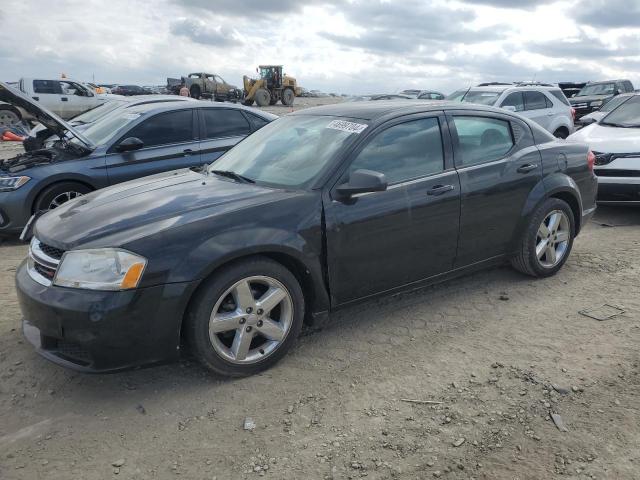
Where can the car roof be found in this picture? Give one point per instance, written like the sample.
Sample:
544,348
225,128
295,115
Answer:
158,107
382,108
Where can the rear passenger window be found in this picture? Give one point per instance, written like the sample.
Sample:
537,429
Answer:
535,101
224,122
560,96
514,99
164,129
47,86
404,152
481,139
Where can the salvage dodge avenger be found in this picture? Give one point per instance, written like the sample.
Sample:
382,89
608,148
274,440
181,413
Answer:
317,210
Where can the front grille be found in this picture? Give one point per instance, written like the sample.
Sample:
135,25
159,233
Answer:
613,172
44,271
53,252
73,352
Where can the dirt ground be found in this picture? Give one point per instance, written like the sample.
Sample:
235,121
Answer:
499,350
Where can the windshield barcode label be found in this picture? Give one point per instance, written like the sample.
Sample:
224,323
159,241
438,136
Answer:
345,126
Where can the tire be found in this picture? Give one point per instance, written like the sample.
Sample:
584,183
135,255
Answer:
9,116
59,193
222,351
194,91
561,132
263,97
273,100
248,103
288,97
527,260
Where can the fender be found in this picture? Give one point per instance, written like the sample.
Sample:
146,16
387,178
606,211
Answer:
554,184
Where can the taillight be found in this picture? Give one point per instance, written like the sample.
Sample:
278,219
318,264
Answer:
573,113
591,159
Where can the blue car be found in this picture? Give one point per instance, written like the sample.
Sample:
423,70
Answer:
61,163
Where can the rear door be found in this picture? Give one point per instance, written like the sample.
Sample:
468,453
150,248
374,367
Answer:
170,142
221,129
499,165
381,240
538,108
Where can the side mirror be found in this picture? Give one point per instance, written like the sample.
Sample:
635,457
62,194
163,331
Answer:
363,181
509,108
130,144
618,91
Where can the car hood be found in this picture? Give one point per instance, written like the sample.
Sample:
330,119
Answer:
588,98
123,213
49,119
601,138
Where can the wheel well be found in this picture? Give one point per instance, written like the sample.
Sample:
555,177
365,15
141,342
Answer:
12,108
37,197
573,203
292,264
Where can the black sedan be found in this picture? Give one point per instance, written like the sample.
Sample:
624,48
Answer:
62,162
317,210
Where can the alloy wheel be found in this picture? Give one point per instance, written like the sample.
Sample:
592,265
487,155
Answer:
251,320
63,197
552,239
8,118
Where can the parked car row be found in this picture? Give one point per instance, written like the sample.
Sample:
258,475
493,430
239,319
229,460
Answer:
234,254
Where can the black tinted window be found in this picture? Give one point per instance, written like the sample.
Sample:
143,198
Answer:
560,96
47,86
535,101
515,100
481,139
166,128
223,122
405,151
256,121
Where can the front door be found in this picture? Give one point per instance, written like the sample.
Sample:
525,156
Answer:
382,240
170,142
499,165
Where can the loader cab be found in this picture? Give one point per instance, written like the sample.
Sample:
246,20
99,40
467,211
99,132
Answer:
272,74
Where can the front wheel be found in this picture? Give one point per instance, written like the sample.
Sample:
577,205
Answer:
547,241
288,97
59,194
246,317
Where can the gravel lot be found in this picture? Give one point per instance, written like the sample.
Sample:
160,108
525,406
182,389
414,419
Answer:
489,347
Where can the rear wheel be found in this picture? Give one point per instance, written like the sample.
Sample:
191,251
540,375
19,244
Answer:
288,96
9,117
263,97
246,317
59,194
547,241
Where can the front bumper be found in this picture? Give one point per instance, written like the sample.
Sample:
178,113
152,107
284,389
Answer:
96,331
15,210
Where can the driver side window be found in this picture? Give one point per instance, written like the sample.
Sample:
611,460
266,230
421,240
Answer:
403,152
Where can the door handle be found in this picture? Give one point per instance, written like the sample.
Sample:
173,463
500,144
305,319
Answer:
64,99
440,189
187,152
527,168
36,98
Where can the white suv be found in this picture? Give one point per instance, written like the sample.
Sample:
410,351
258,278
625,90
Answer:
544,104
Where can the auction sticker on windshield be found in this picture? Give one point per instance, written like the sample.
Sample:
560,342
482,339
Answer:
345,126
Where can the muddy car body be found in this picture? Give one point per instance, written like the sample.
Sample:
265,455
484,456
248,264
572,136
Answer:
320,209
206,85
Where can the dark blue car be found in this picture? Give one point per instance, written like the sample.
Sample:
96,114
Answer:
124,145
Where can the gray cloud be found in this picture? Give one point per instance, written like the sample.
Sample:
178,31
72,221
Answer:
409,27
517,4
609,13
201,32
584,47
252,8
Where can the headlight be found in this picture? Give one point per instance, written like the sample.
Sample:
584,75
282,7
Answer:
597,103
8,184
100,269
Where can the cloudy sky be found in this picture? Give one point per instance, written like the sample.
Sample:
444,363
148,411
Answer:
350,46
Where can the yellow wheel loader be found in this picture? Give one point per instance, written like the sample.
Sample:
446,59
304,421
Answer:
270,88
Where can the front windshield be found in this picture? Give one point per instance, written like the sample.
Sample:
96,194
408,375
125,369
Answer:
95,113
109,126
290,151
457,95
597,89
481,97
614,103
626,115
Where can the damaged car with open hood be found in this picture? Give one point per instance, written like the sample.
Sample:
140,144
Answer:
61,162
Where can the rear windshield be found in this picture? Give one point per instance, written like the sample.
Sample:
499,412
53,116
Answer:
95,113
481,97
615,102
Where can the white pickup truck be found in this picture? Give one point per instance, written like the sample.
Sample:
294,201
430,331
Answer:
66,98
